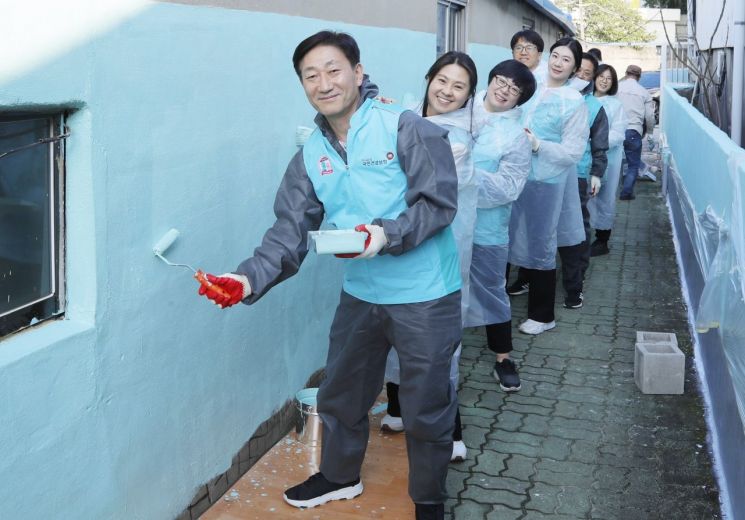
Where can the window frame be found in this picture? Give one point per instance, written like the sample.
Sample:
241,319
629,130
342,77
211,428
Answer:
54,302
454,24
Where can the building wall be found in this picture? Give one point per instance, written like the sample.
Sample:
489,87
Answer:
182,116
621,56
493,22
708,34
418,15
657,24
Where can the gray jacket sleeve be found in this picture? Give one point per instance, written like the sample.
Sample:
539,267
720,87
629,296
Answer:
426,159
284,245
599,144
649,113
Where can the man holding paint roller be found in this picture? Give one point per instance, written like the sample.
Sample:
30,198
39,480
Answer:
385,171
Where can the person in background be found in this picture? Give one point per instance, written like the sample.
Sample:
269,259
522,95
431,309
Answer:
404,286
451,84
597,54
555,119
501,157
602,207
527,48
639,108
575,259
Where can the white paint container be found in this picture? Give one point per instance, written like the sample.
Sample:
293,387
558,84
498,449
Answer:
308,425
336,241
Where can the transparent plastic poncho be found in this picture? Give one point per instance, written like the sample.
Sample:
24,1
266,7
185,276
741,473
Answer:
459,125
602,207
558,118
501,159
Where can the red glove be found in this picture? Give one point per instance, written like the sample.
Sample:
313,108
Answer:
225,290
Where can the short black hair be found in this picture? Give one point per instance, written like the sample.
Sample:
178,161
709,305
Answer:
342,41
574,46
596,52
592,59
520,75
528,35
614,77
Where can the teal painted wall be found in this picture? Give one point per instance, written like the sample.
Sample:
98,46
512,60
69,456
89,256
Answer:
485,57
185,118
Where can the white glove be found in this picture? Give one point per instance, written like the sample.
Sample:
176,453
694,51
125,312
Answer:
375,242
595,184
535,144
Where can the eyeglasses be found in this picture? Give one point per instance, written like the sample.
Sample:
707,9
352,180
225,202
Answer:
501,84
521,48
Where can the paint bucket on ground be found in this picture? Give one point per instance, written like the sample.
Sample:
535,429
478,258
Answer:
308,426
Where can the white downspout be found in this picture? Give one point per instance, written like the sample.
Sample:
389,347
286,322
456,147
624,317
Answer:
738,71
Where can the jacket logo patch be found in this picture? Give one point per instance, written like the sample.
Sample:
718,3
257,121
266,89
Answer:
378,162
324,166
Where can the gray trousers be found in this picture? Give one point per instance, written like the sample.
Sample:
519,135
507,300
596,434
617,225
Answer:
425,335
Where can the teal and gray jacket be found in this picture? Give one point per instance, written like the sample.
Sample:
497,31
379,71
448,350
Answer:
397,171
595,159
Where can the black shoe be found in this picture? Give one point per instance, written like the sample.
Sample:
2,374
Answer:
430,511
518,288
574,301
505,373
317,490
599,248
627,197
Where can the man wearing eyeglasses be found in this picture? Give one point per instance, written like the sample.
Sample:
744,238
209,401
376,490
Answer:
527,48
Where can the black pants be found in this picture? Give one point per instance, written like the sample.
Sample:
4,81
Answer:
499,337
541,292
576,259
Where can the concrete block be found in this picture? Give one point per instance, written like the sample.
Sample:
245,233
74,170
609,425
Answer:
659,368
643,336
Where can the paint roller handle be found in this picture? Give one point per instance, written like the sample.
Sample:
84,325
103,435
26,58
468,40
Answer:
225,290
202,279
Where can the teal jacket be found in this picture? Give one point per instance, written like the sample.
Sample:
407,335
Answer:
397,171
595,159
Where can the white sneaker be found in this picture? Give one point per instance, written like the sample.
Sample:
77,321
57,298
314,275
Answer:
392,424
459,452
535,327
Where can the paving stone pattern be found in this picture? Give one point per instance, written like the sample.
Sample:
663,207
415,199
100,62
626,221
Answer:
580,441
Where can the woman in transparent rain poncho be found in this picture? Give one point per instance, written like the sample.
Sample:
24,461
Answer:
603,206
451,84
556,122
501,158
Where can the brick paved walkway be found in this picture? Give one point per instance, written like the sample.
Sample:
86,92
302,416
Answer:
580,441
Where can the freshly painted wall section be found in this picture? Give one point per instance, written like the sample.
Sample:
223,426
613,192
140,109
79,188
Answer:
185,117
706,195
485,57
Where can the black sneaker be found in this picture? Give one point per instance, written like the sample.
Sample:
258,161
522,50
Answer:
317,490
430,511
599,248
574,302
505,373
518,288
627,197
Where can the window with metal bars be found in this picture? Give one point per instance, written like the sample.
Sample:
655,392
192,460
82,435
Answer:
31,219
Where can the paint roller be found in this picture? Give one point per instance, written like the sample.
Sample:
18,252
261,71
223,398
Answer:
167,241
